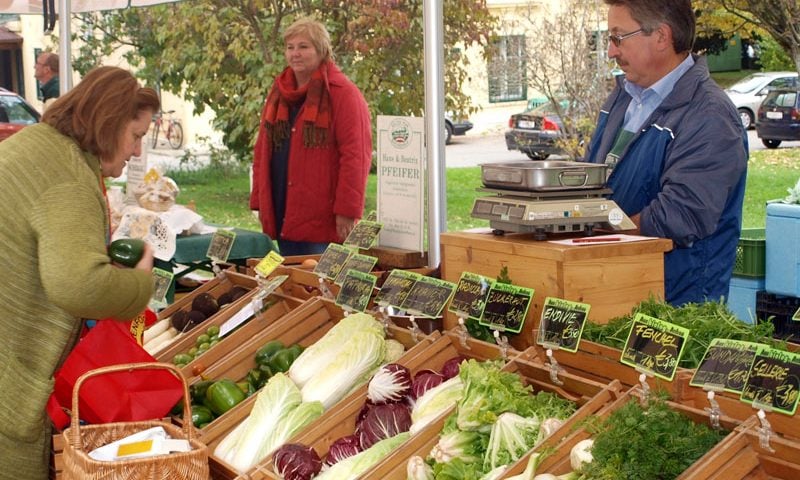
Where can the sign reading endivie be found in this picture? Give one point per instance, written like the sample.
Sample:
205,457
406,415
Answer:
401,182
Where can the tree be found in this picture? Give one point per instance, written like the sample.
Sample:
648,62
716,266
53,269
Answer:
778,18
224,54
567,63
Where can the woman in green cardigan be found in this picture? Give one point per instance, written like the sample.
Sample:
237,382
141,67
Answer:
54,269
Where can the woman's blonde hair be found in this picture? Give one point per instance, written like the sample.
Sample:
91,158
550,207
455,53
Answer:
315,31
99,108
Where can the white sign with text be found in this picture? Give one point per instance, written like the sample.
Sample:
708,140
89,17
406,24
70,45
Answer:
401,182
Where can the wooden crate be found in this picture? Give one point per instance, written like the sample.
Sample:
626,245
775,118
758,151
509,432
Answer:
592,396
341,420
786,426
601,363
612,278
214,287
740,457
305,325
557,461
280,306
57,457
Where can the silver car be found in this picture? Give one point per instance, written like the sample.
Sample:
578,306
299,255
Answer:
747,93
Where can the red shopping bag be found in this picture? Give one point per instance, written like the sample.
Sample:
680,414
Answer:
117,397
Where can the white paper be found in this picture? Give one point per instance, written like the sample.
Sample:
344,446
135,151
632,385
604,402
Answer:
237,319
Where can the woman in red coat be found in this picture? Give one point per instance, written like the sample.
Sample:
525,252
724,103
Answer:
314,148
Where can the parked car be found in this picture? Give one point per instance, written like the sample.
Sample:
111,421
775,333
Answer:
747,93
15,114
534,131
457,127
779,117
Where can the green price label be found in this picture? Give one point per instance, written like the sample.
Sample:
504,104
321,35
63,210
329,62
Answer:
725,365
219,249
396,288
562,323
773,381
332,260
654,346
361,263
364,235
163,280
506,307
356,290
470,297
269,263
428,296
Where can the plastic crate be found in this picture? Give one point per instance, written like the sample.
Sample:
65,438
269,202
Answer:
779,310
783,249
751,253
742,297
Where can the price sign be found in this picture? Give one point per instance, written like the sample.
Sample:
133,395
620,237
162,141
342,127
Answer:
396,288
356,290
163,280
506,307
364,234
221,244
428,296
361,263
796,316
332,260
654,346
470,297
774,380
725,365
562,323
268,264
372,216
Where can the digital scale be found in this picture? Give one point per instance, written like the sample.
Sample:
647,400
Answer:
547,204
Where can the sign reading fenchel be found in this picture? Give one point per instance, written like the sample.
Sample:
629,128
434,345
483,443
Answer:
654,346
401,182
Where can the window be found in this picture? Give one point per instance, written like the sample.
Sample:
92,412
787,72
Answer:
507,80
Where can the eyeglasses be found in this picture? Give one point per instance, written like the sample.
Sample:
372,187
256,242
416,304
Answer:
617,39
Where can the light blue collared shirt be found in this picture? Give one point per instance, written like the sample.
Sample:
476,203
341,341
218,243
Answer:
645,101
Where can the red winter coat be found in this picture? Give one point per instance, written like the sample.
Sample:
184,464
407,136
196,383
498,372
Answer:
323,181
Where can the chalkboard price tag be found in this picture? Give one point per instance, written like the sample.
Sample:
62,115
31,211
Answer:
396,288
774,380
364,235
332,260
268,264
356,290
219,249
506,307
470,297
163,280
654,346
562,323
428,296
362,263
796,316
725,365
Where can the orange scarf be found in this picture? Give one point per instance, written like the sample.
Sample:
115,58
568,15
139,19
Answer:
316,115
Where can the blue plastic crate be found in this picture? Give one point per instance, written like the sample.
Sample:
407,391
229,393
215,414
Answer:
742,297
783,249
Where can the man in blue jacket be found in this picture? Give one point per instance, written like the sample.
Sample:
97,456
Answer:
676,149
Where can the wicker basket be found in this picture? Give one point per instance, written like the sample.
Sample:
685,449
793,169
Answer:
79,440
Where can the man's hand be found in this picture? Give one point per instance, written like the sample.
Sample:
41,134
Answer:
344,225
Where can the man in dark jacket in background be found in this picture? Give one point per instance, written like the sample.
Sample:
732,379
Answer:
676,150
46,72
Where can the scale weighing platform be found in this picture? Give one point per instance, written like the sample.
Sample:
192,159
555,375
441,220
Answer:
555,211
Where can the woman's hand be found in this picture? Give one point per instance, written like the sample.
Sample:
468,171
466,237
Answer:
343,226
146,262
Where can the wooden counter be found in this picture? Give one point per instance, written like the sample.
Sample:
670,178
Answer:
612,278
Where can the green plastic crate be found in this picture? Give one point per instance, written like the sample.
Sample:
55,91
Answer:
751,253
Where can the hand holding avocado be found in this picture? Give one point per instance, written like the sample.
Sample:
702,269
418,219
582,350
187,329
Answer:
131,252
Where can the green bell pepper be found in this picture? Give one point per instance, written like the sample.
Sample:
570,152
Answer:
282,360
126,251
268,350
223,395
201,415
198,390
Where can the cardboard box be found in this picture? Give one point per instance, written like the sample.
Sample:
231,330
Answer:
612,278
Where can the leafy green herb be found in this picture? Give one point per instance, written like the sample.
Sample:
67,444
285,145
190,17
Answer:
706,321
656,443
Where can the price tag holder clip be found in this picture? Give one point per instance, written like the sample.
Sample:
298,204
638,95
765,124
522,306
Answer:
502,342
554,366
385,319
764,430
461,330
714,411
415,331
323,287
643,376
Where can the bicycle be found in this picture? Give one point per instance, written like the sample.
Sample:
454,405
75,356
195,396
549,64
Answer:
170,127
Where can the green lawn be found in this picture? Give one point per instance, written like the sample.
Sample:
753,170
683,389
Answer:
221,195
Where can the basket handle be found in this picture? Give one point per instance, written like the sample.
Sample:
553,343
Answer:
188,428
